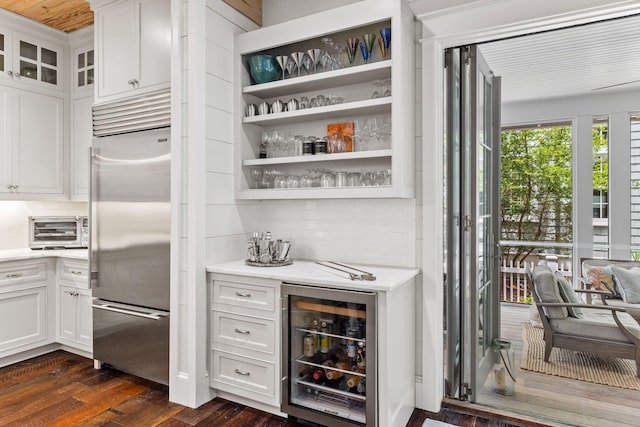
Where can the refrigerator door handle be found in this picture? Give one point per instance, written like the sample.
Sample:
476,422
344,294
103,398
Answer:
153,315
93,275
284,355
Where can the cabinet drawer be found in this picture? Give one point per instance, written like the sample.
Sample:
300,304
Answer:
243,331
244,295
234,373
23,273
76,272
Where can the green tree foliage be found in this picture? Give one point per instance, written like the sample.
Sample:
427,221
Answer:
600,157
536,187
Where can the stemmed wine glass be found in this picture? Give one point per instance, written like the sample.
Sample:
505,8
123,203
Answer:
282,62
314,57
256,174
296,59
352,49
385,41
366,46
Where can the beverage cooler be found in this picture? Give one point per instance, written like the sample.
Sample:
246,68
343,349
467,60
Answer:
329,355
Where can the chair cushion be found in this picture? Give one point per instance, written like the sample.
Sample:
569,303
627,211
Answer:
629,281
597,324
568,295
547,290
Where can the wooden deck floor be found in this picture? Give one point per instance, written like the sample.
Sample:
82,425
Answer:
568,401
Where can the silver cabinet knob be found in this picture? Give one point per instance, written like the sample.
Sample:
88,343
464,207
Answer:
133,82
10,73
17,75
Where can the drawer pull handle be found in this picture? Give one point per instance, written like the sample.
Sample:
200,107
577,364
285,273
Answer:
245,373
243,331
13,275
243,295
76,272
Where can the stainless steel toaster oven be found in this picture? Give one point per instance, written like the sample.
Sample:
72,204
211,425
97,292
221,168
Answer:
50,232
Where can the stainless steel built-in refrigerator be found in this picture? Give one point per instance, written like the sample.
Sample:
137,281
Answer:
130,233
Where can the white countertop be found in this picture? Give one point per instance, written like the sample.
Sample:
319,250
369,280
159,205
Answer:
26,253
310,273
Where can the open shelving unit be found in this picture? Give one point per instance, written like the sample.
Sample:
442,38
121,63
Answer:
355,84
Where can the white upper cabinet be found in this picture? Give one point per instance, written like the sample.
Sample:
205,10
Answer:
33,155
133,42
31,61
84,69
354,115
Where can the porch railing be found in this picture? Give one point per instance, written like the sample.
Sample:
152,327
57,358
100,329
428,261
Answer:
513,281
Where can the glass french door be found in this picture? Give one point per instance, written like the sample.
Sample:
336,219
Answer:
472,220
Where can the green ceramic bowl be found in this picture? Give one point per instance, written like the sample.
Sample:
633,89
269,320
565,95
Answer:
264,68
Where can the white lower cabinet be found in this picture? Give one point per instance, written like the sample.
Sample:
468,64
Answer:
75,320
273,331
245,343
23,306
23,319
75,317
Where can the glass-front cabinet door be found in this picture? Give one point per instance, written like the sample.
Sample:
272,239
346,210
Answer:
329,355
5,54
84,68
38,63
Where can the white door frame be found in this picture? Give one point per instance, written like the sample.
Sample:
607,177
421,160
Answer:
479,21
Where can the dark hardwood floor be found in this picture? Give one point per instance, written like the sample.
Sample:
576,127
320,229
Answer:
63,389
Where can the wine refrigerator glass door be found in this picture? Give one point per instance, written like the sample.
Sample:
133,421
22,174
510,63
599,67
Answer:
329,355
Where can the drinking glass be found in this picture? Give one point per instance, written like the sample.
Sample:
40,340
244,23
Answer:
314,55
280,181
352,49
293,181
385,36
307,62
256,175
328,179
366,46
282,62
306,181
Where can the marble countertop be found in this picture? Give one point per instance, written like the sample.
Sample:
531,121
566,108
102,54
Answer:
309,273
26,253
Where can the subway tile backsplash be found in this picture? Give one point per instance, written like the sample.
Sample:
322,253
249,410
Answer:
14,223
370,231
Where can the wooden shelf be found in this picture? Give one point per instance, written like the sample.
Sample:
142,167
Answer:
331,309
367,106
322,80
318,158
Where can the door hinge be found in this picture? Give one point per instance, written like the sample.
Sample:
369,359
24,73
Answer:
467,223
465,391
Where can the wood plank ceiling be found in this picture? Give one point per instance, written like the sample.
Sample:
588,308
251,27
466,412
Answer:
71,15
65,15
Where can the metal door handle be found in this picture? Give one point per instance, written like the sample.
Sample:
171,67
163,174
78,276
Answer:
76,272
152,315
243,295
243,331
13,275
239,372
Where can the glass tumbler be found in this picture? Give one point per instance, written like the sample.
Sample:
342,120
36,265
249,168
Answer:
328,179
354,179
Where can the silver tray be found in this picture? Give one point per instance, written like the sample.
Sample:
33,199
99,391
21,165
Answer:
271,264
